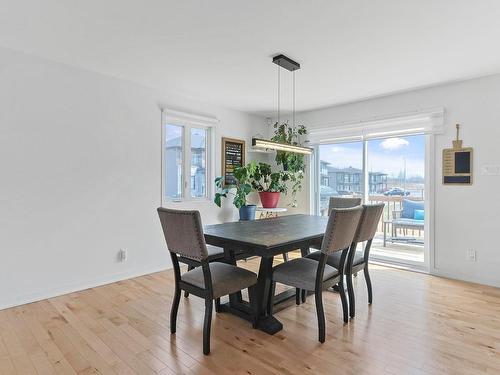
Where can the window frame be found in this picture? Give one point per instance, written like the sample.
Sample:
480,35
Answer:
188,122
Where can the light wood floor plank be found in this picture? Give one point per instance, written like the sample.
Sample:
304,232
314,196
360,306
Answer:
418,325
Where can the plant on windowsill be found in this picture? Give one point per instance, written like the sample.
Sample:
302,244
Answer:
240,190
269,184
292,163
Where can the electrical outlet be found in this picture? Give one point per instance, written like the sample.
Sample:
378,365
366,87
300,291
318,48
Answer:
471,255
122,255
490,170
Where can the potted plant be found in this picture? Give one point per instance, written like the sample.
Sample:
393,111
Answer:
269,184
293,163
239,190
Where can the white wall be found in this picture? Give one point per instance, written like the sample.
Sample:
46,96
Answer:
466,217
80,176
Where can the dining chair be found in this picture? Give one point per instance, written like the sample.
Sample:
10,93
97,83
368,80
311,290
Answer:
340,202
311,275
183,233
357,260
334,202
214,254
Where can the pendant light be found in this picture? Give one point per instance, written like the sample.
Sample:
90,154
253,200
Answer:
283,62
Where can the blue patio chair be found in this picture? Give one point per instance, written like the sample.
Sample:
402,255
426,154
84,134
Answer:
411,216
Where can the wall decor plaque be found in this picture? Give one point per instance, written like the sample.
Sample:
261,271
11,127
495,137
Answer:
233,155
457,163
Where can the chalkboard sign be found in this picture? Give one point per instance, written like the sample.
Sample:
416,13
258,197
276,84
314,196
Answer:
457,163
457,166
233,155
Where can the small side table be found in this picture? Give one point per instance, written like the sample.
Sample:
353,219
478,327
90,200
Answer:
266,213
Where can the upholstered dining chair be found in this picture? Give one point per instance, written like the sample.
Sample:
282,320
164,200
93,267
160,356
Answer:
340,202
334,202
311,275
183,233
357,260
214,254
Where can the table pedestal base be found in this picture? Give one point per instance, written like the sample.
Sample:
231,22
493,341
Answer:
270,325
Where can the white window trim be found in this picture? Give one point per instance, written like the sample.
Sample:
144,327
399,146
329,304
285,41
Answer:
427,121
189,121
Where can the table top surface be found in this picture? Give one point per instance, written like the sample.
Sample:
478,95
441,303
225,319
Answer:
268,233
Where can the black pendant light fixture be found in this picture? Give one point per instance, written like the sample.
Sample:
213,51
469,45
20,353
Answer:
287,63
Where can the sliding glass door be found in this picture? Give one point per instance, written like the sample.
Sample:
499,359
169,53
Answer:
396,168
340,172
389,171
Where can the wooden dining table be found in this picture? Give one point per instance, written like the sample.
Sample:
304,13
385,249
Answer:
264,238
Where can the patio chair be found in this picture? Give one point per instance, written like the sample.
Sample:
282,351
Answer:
411,216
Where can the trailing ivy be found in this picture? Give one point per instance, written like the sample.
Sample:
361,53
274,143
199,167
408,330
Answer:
292,163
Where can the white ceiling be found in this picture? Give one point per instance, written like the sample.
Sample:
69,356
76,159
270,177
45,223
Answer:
220,50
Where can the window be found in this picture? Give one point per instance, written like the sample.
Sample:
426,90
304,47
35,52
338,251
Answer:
186,156
174,141
198,162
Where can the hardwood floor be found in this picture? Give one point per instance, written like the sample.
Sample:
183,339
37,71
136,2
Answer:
418,324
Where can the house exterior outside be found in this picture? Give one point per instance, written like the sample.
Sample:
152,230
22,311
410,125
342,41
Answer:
378,182
350,180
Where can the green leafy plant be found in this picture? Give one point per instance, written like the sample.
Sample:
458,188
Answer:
240,189
292,163
284,133
263,179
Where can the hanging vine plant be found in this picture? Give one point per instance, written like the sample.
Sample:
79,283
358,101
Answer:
293,163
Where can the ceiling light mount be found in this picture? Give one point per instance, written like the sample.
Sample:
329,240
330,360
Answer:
258,143
286,62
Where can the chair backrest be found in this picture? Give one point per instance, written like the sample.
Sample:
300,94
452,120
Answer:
341,228
338,202
183,233
368,223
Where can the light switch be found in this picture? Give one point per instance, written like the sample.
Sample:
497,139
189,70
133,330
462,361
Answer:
490,170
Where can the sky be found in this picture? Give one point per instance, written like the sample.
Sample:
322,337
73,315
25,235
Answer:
384,155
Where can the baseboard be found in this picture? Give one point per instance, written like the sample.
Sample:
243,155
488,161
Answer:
466,278
76,287
438,273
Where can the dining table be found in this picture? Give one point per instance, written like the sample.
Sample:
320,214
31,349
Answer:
265,239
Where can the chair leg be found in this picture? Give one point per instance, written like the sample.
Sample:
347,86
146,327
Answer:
186,293
304,295
350,292
206,326
174,309
217,305
298,296
321,315
343,298
368,284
